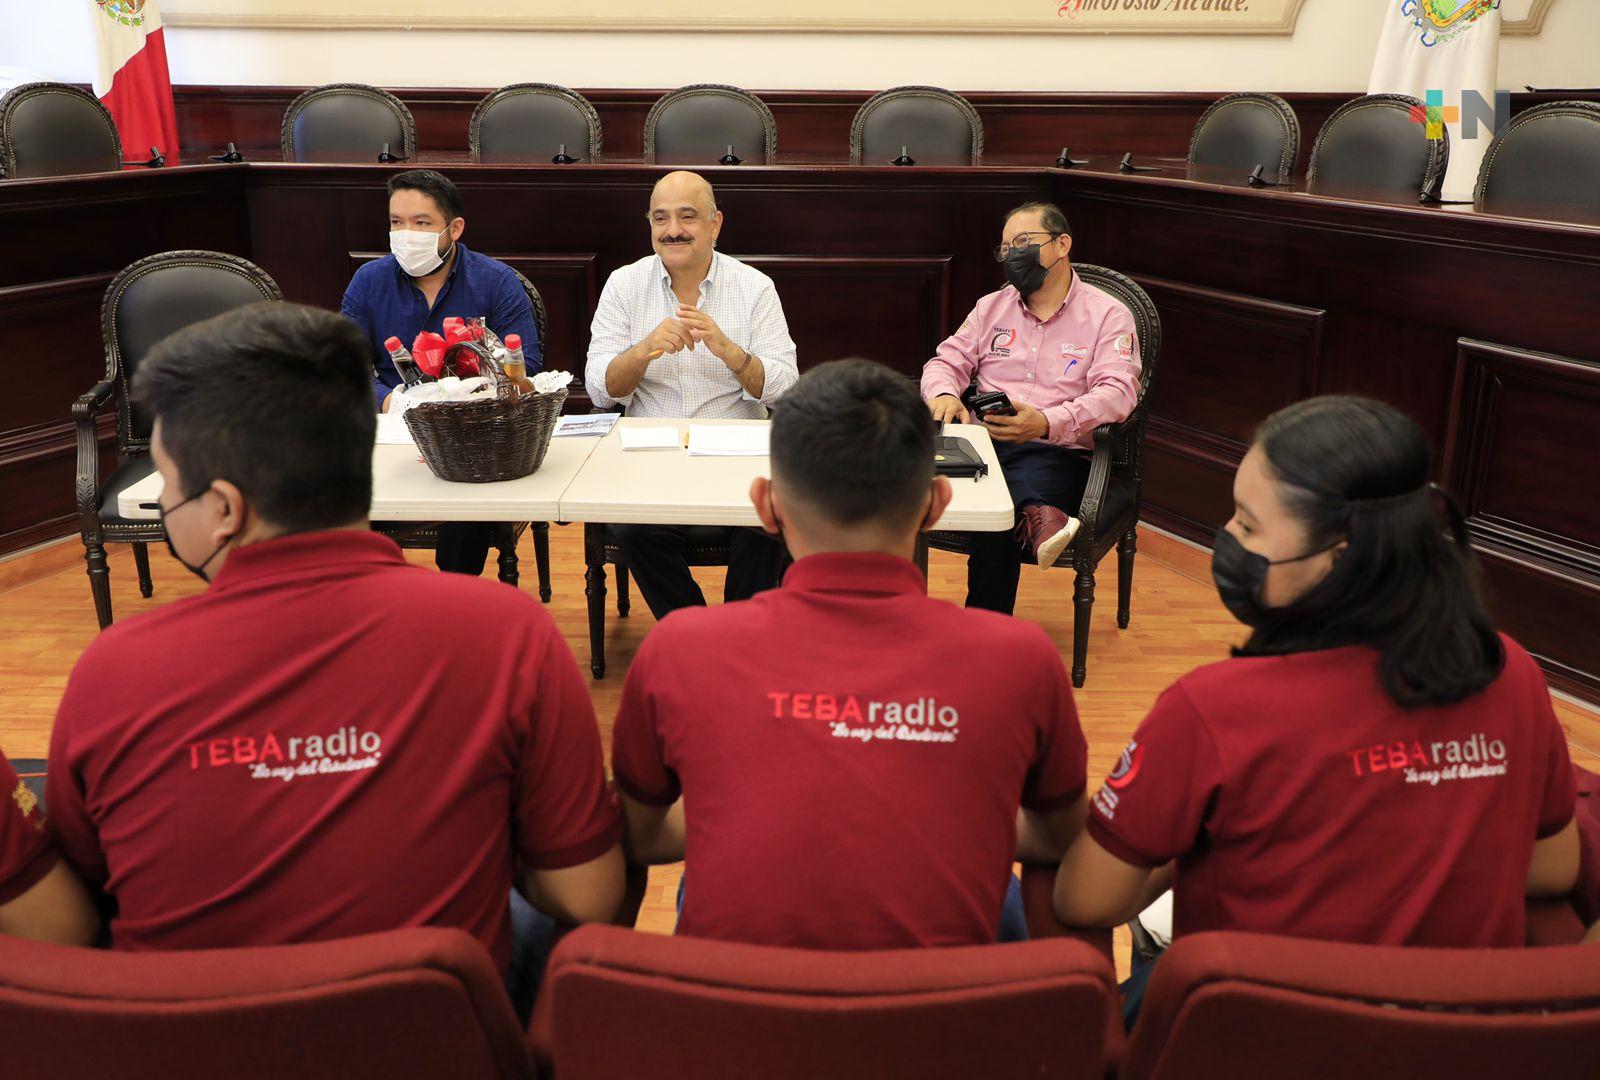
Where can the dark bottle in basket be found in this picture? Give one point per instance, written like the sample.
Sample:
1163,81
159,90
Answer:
515,366
400,357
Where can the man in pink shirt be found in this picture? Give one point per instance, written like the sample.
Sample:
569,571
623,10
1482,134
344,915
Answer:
1066,355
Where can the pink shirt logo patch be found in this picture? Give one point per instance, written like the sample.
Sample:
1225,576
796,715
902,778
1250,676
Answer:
1000,344
1074,352
1124,346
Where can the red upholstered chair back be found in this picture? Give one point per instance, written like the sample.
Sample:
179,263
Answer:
1232,1005
621,1003
419,1002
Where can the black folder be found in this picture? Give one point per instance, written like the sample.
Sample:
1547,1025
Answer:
956,457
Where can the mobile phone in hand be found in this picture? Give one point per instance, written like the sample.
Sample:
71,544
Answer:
991,403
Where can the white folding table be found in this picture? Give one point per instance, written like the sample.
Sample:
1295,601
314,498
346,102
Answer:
669,487
403,488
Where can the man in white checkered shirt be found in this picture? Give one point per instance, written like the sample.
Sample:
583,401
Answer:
689,333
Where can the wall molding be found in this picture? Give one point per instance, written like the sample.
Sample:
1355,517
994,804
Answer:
1530,24
215,15
1055,17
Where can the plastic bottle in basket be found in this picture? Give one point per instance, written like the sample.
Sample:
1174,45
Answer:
400,357
516,367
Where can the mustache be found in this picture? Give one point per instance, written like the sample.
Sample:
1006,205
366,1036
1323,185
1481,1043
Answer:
677,239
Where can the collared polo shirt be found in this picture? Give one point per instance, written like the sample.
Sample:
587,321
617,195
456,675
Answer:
1080,367
1299,799
851,755
327,742
740,299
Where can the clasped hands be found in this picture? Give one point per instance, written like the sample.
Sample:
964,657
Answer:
691,326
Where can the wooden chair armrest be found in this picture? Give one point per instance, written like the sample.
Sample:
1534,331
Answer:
84,413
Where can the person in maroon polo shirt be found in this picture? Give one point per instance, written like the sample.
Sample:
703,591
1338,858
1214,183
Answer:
329,741
1375,764
40,897
843,762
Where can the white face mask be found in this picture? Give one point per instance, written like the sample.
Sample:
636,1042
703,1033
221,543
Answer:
418,251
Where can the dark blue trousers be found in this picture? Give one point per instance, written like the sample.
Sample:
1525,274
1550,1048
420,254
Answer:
1036,472
463,546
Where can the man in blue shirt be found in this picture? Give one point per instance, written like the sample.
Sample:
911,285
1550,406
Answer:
429,276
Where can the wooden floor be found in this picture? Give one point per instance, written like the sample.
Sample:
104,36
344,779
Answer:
47,619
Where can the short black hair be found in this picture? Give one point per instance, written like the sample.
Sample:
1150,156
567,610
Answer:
436,185
855,441
1407,584
1052,218
275,398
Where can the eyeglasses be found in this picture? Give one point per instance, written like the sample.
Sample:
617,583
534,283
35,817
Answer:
1022,240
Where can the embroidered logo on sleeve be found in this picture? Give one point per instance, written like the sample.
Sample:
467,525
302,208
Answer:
1124,346
1126,770
26,800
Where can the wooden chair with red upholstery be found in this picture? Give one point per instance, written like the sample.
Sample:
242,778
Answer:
621,1003
1226,1005
415,1002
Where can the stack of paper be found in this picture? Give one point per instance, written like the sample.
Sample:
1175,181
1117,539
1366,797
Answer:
733,440
650,438
392,430
597,424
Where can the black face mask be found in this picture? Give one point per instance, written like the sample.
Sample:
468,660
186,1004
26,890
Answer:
1240,575
197,571
1023,270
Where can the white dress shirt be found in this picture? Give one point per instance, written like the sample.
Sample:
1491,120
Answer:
693,382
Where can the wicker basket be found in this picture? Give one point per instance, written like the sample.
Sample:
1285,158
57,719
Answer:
479,442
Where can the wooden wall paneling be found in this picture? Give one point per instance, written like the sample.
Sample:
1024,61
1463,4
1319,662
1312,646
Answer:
1523,461
67,237
65,227
1227,360
569,286
1550,613
1398,283
1188,483
893,310
1020,127
1523,455
57,340
38,465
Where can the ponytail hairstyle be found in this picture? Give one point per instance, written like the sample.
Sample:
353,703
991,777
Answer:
1354,469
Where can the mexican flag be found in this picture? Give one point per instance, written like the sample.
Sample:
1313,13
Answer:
132,75
1447,53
